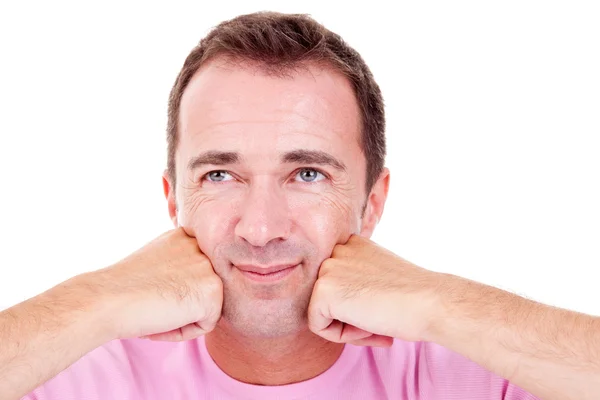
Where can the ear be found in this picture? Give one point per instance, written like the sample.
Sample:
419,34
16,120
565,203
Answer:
169,191
375,204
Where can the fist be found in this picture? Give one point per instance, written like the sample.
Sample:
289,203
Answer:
366,295
167,290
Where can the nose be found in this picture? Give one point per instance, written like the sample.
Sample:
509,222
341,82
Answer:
264,216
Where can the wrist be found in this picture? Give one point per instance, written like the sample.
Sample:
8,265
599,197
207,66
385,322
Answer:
464,308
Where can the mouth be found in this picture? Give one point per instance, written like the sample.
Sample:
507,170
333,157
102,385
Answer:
266,274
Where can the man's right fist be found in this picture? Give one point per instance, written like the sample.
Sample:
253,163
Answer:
167,290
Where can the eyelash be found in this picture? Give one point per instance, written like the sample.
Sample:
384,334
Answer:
296,172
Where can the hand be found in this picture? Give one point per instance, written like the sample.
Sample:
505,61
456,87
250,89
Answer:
167,290
366,295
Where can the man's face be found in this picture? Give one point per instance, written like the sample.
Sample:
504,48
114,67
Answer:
270,175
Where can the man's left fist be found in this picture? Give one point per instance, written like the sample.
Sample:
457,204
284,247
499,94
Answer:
366,295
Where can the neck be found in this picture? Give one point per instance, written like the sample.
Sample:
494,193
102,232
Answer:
271,361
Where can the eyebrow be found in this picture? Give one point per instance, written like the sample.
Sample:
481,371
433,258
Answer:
294,156
214,158
313,157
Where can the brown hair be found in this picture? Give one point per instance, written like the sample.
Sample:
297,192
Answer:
279,43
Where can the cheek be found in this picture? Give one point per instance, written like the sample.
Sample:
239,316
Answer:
325,221
208,219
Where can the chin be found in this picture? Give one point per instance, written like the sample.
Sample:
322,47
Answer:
262,318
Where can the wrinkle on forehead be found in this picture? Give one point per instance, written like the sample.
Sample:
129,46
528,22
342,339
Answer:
315,98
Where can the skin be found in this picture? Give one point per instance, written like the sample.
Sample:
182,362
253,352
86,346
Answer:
267,208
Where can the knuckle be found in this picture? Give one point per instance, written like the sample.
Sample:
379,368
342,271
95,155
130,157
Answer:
338,250
327,265
323,285
316,326
209,319
213,284
210,323
211,299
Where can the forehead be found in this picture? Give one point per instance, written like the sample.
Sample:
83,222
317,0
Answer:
312,106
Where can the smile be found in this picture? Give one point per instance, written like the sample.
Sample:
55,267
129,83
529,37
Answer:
266,274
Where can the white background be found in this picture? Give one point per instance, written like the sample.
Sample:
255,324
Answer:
493,132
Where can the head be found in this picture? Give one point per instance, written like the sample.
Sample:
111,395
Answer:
276,154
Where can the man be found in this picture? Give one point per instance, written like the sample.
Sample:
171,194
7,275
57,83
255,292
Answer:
268,287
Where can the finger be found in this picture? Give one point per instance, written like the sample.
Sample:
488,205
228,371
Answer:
188,231
187,332
338,249
171,336
319,317
332,332
344,333
325,266
340,332
324,327
374,341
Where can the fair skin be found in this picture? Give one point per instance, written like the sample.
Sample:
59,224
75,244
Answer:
269,208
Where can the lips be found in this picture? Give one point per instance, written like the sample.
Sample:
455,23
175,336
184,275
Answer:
265,270
264,275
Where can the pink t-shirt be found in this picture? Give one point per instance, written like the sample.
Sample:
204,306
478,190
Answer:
139,369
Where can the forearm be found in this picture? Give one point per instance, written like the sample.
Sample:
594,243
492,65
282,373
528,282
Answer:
550,352
44,335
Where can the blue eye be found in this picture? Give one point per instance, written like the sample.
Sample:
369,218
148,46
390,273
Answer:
218,176
310,175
